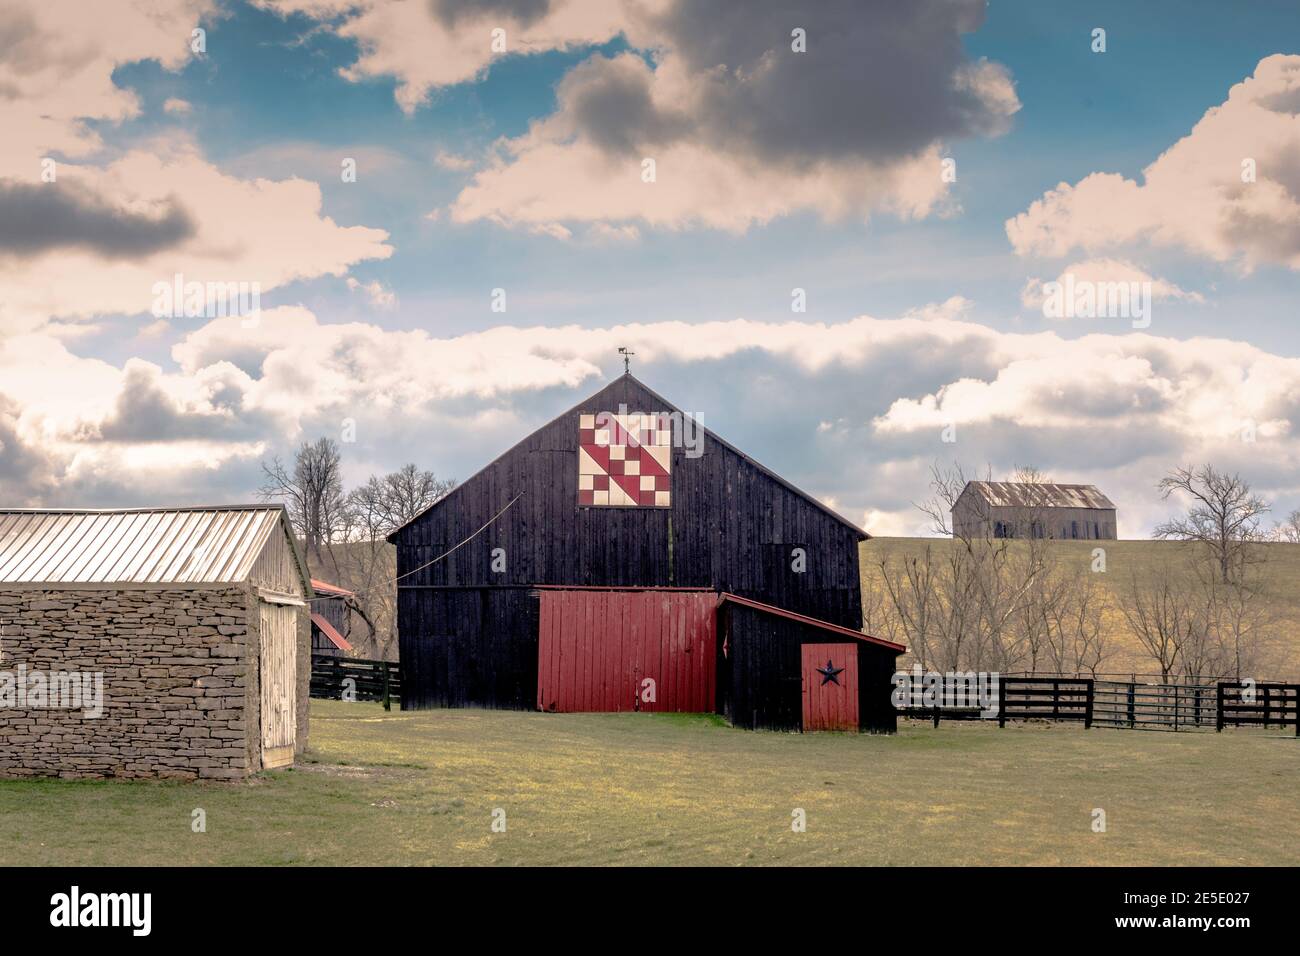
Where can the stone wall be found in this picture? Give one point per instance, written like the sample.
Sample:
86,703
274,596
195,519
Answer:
176,695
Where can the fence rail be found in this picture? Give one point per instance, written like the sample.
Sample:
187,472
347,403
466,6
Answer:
1175,707
1048,698
1122,704
1264,704
370,680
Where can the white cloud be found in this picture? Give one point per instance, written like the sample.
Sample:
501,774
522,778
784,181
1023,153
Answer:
740,128
255,231
96,239
379,295
424,51
57,65
1104,272
1193,196
1118,410
451,161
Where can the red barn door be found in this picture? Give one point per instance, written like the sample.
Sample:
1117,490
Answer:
627,650
830,687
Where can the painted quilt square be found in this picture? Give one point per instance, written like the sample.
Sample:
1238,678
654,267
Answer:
625,460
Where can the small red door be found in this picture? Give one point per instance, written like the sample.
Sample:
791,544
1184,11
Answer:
830,687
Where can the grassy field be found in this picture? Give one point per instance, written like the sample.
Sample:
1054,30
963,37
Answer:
420,788
1279,574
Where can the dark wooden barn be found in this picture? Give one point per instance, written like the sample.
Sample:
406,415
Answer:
623,557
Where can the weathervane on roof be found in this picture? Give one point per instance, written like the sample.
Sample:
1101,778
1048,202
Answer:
627,359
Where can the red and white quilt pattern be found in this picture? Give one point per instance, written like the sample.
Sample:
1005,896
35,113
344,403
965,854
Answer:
625,460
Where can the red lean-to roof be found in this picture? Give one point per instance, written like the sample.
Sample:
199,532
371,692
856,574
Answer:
728,598
324,587
326,628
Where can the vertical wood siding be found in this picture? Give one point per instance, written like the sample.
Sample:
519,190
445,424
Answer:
276,567
597,647
830,704
279,682
468,647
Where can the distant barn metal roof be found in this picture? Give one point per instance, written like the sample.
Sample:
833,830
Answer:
136,546
1024,494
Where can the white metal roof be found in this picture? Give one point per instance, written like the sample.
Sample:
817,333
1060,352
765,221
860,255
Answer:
137,546
1022,494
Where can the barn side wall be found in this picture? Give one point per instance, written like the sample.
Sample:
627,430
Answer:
468,647
761,676
1085,524
178,680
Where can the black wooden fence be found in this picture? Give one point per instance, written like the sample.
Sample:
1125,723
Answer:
1048,698
1265,704
1134,706
369,680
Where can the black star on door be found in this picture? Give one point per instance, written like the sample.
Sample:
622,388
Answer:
830,673
830,686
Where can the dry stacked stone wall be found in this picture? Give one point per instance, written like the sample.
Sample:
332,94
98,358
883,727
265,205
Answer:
177,701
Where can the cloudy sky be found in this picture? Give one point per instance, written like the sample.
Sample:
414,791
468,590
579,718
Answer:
922,171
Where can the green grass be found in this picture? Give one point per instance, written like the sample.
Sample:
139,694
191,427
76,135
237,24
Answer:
420,788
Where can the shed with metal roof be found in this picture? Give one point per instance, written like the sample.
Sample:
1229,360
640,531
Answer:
159,642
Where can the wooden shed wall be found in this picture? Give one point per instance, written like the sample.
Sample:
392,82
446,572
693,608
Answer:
276,568
760,678
730,527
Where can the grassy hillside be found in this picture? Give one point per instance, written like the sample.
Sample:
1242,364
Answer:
1279,574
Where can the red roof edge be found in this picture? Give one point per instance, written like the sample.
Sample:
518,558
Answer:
326,628
619,587
327,588
726,597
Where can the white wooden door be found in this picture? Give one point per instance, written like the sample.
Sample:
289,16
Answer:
279,682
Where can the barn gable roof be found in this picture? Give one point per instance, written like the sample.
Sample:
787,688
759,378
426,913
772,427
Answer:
662,404
180,546
1024,494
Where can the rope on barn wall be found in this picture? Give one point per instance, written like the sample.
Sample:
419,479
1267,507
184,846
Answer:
440,557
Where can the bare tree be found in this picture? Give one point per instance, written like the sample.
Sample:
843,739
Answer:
1289,530
913,602
1159,616
368,563
1086,645
386,502
1242,623
1224,516
313,494
946,485
964,605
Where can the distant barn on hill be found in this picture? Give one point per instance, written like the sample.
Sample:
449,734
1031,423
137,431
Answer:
1016,509
622,557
